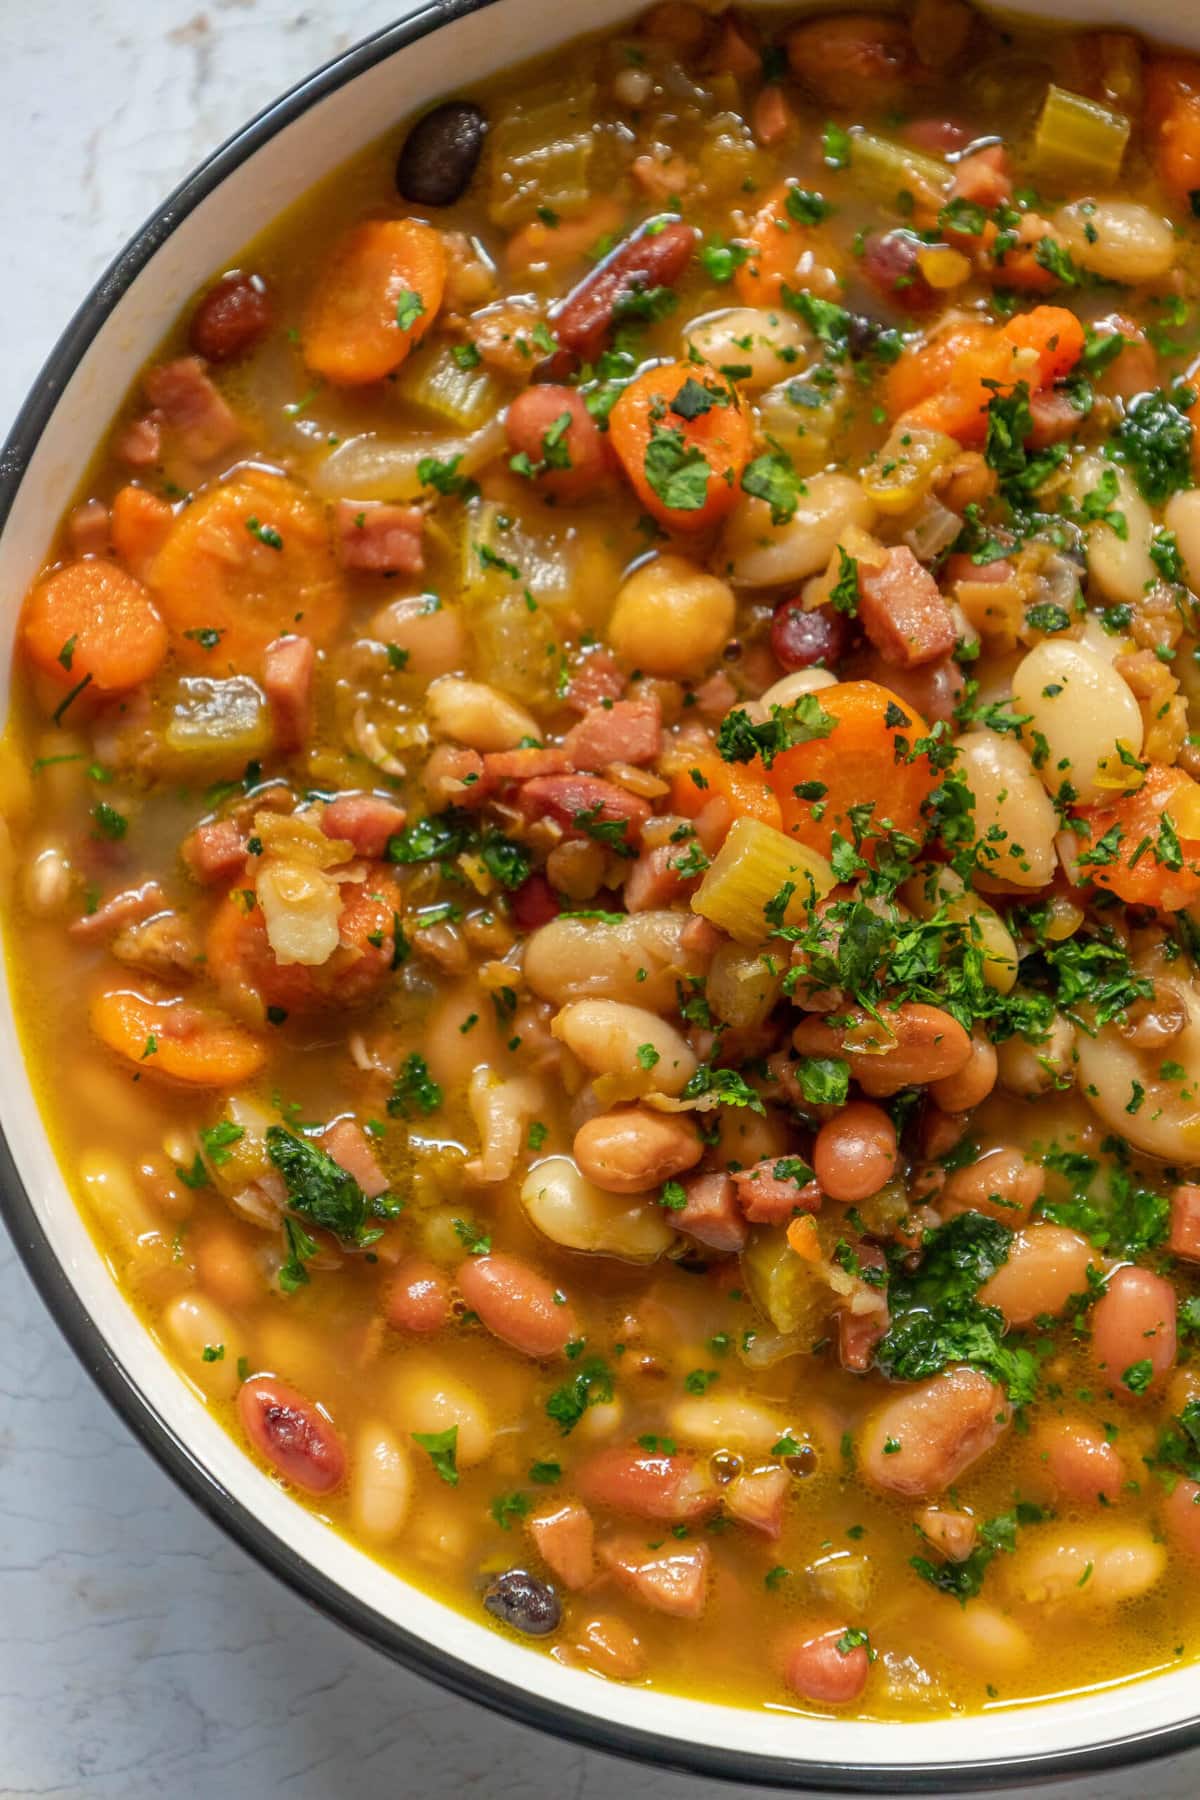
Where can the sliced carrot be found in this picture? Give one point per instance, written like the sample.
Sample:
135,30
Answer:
1054,333
927,368
663,453
92,621
141,524
1136,875
249,560
744,785
865,758
240,955
802,1238
169,1037
376,297
783,251
1172,122
736,51
556,245
960,374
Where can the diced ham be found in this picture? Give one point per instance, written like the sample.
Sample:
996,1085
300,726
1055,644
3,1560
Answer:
534,903
700,938
984,177
378,538
714,697
655,881
1185,1223
770,1199
125,908
215,852
757,1498
891,263
89,528
712,1215
675,1489
949,1529
580,803
933,689
1055,416
453,776
288,666
597,678
565,1538
673,1581
858,1334
628,731
938,136
166,944
350,1148
365,821
202,422
902,611
771,117
140,444
524,765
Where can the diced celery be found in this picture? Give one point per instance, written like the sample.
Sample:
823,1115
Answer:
902,471
510,587
804,414
887,170
539,156
435,382
1077,139
797,1296
754,867
215,727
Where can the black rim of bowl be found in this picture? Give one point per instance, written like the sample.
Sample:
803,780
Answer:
524,1705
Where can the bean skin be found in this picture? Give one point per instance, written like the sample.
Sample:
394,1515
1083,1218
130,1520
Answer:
292,1434
419,1296
924,1438
517,1304
231,318
817,1670
1134,1322
855,1154
582,448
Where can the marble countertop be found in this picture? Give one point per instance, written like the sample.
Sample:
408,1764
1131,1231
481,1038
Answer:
140,1652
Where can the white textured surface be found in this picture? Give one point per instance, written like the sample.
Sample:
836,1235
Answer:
140,1653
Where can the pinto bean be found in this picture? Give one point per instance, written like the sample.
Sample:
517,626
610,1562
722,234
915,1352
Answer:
518,1305
633,1149
816,1669
570,463
1001,1184
1079,1462
676,1489
1133,1323
1046,1265
924,1438
419,1297
292,1434
1181,1516
914,1044
646,260
973,1082
610,1646
855,1154
231,318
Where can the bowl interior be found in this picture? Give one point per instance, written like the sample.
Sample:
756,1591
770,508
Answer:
201,230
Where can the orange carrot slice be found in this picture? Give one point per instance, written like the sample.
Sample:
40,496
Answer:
782,251
375,299
1137,875
141,524
960,373
169,1037
664,454
92,621
1172,122
744,785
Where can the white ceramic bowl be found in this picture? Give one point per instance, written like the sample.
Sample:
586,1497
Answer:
444,46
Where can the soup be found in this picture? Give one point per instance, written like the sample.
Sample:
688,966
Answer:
605,856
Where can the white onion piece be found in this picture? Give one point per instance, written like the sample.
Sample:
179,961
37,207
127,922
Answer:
373,467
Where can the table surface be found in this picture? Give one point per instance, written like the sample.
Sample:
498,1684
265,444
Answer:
140,1652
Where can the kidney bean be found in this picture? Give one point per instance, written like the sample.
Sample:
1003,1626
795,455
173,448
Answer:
519,1599
582,449
803,639
1134,1323
646,260
816,1669
419,1297
517,1304
292,1434
890,264
924,1438
1079,1462
674,1488
855,1154
231,317
441,153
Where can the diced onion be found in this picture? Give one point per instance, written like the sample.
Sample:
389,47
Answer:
301,906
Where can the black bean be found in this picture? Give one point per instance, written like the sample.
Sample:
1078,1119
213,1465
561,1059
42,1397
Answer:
441,154
802,639
523,1602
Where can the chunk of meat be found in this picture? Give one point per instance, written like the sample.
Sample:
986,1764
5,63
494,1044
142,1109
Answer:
1055,416
202,422
565,1538
646,260
139,445
215,852
598,677
670,1581
757,1498
857,60
166,945
523,765
675,1489
891,263
1184,1240
627,731
902,611
858,1334
453,776
534,903
585,806
377,538
655,879
288,666
120,909
767,1198
712,1214
350,1147
949,1529
365,821
984,177
933,688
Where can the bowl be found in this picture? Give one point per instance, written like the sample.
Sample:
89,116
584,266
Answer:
443,44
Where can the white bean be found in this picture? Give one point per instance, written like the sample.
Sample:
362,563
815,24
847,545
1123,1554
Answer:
640,1052
1081,716
721,339
46,882
381,1482
1111,1073
195,1324
1119,240
433,636
726,1421
1182,516
572,1211
115,1200
1119,568
1009,799
427,1397
576,959
787,691
671,618
477,715
1084,1565
755,553
983,1636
